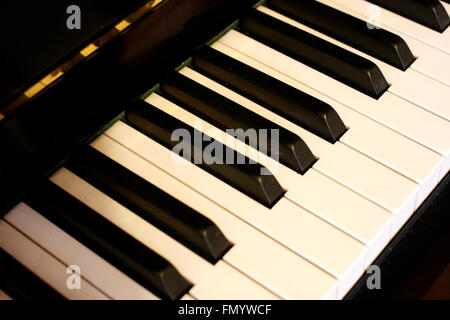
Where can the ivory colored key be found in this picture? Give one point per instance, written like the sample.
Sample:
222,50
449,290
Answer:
409,84
96,270
390,110
429,60
446,5
287,223
210,281
44,265
252,252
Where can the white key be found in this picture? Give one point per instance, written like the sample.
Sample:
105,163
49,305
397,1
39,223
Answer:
252,253
217,285
401,24
4,296
187,297
97,271
297,229
219,281
353,169
430,61
364,135
410,84
43,265
446,6
342,209
390,110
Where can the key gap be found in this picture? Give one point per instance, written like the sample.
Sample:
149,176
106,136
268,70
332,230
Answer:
355,192
52,255
341,102
419,106
384,165
254,280
327,222
432,77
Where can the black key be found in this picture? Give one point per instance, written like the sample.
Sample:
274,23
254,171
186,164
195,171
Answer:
108,241
288,102
326,57
223,162
379,43
430,13
22,284
226,114
173,217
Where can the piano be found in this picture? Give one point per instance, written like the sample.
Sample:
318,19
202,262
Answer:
217,150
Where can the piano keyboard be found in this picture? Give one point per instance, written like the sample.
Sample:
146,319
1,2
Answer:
364,139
